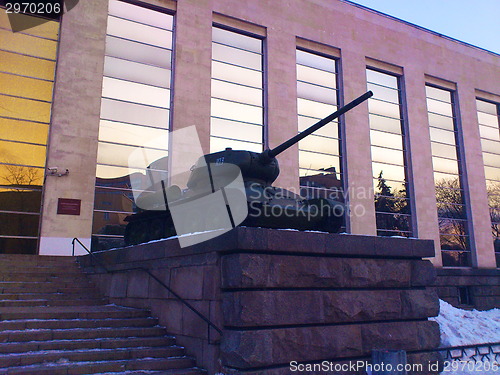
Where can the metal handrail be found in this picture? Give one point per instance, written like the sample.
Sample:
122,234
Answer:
178,297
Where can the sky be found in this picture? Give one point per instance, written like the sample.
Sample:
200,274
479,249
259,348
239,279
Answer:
476,22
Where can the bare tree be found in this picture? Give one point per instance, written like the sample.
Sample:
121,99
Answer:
19,175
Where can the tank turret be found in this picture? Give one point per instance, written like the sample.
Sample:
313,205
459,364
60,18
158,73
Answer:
268,206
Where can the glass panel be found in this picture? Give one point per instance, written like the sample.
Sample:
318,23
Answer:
236,130
315,61
486,107
236,56
136,72
444,178
237,93
133,51
442,136
134,113
111,176
445,165
26,65
314,109
18,246
320,144
454,258
490,133
23,131
139,32
313,160
438,94
315,76
383,108
385,123
21,153
20,200
109,223
236,40
48,29
135,92
19,224
381,78
439,107
317,93
492,160
20,176
139,14
236,74
119,155
489,146
26,109
236,111
25,87
385,155
379,138
28,45
440,121
492,173
451,211
131,134
487,119
389,172
220,144
384,93
331,130
446,151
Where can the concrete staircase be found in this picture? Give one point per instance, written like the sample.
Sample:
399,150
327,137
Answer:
53,321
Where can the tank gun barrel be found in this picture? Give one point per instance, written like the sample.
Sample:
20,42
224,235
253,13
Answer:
270,154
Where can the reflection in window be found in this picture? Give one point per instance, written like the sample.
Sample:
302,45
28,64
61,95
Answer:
27,65
237,110
134,113
452,214
389,169
319,153
489,128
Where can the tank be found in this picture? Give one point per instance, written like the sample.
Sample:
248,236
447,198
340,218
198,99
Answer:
266,205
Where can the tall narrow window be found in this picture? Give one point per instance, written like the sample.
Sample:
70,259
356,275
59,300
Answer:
389,164
27,65
237,112
446,161
319,153
489,128
134,113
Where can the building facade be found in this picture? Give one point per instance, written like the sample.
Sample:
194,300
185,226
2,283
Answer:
81,93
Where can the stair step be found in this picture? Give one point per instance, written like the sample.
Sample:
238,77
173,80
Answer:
76,323
45,302
70,312
75,279
87,368
189,371
101,343
26,359
11,287
35,260
48,296
79,333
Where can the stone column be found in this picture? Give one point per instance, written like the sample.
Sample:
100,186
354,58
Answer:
74,126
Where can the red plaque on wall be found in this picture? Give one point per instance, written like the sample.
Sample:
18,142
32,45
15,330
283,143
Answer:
67,206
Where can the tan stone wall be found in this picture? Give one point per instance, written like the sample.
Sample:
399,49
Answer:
356,32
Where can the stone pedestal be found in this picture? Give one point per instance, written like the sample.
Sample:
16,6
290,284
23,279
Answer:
284,298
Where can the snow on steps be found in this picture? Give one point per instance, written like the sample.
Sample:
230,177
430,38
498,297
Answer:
53,321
